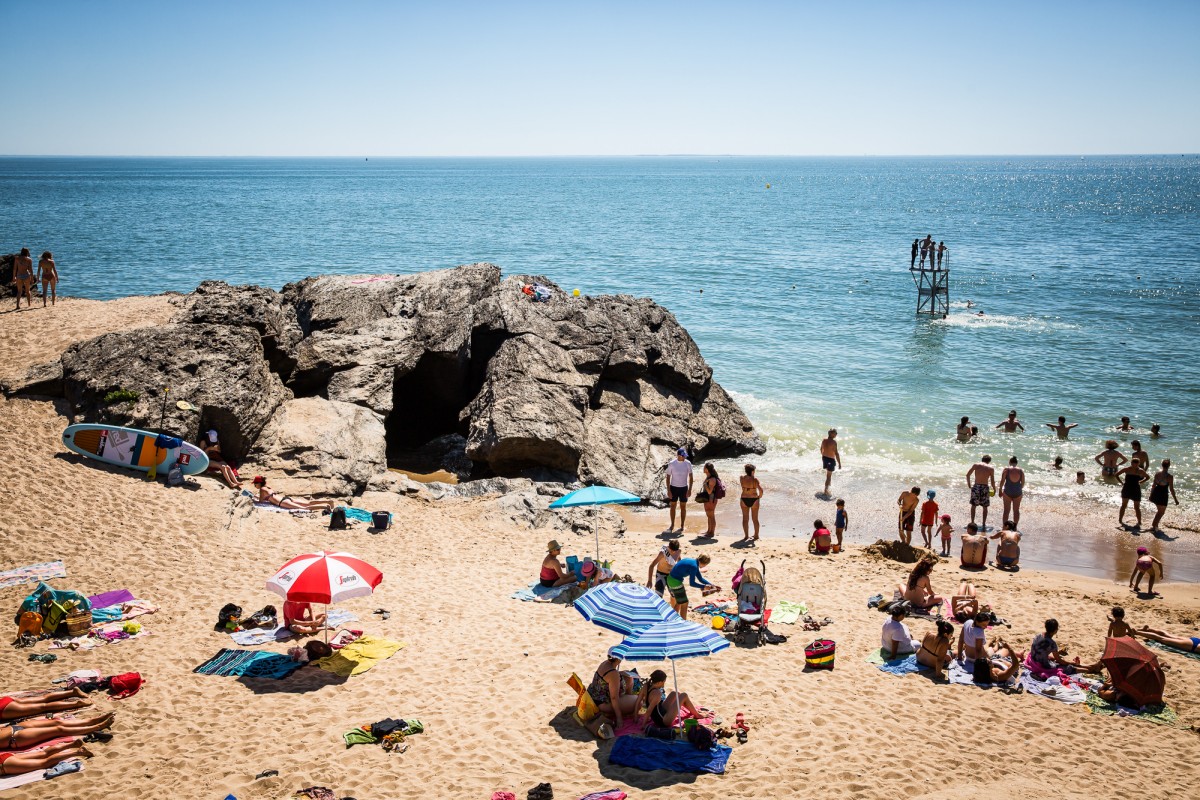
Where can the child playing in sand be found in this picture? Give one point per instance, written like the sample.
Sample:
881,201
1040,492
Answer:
908,513
1145,565
1116,624
929,513
841,522
945,530
820,540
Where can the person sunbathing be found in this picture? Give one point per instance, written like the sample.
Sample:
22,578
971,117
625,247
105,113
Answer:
49,703
265,495
1001,664
19,736
553,572
935,648
216,462
659,706
300,618
611,691
20,763
918,590
1188,644
964,604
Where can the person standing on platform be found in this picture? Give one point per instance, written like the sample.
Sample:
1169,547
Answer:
916,246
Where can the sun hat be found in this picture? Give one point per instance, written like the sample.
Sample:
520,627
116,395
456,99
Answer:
553,545
212,435
589,567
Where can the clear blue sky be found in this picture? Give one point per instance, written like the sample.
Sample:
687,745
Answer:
562,78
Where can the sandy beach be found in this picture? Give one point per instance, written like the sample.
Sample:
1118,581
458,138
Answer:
486,673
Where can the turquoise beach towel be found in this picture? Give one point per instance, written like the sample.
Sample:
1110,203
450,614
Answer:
249,663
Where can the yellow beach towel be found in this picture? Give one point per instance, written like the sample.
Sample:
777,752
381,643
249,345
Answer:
359,656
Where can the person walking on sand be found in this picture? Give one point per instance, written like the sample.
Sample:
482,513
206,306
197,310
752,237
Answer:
23,276
1062,428
711,490
1012,487
981,480
1011,424
830,457
941,251
916,246
1110,460
752,492
1131,491
1164,482
907,501
47,273
679,486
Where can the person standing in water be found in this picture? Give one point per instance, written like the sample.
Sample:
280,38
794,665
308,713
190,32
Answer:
963,432
1062,428
48,275
1110,460
752,492
981,480
1012,487
1164,483
830,457
1125,427
1011,424
1140,456
1131,491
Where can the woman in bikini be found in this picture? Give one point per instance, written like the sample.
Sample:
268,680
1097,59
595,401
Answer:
608,683
48,275
265,495
935,648
1164,484
216,462
23,277
39,729
48,703
918,590
1188,644
1012,487
711,482
20,763
752,492
661,708
660,568
1110,460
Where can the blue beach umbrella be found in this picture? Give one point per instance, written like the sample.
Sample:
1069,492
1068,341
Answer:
671,640
623,607
595,496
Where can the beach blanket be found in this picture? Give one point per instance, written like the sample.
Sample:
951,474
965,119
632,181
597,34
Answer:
114,598
33,572
260,636
787,612
127,609
272,507
13,781
1161,646
536,593
359,656
901,665
1161,714
631,726
1070,695
250,663
357,515
611,794
98,636
961,675
651,754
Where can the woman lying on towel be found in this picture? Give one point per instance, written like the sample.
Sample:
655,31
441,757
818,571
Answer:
19,763
19,736
49,703
300,618
1188,644
917,590
216,462
265,495
659,706
1001,664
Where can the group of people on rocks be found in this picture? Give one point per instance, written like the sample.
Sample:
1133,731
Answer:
25,278
210,443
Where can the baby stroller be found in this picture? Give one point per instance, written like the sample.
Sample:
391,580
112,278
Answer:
752,604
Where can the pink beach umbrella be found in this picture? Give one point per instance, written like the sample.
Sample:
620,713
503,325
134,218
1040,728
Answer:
324,578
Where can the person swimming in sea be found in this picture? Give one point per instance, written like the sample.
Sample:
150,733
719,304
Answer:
1062,428
1110,460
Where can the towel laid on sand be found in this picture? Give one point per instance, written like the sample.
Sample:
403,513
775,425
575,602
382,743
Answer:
901,665
631,726
125,609
651,754
959,674
787,612
13,781
113,598
536,593
1063,694
611,794
99,635
1161,646
34,572
359,656
257,636
357,514
250,663
1159,714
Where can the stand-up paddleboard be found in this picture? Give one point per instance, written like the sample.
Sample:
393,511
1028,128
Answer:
130,447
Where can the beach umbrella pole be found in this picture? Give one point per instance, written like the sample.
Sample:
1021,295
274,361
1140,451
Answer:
326,625
675,678
596,526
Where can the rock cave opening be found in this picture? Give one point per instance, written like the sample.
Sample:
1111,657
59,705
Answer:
423,431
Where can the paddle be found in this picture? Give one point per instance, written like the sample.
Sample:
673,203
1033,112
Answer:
152,473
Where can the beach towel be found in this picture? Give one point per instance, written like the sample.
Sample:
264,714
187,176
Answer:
259,636
611,794
272,507
108,633
113,598
358,657
787,612
13,781
33,572
126,609
958,673
1160,714
536,593
651,754
358,515
1070,695
358,736
1167,648
250,663
631,727
901,665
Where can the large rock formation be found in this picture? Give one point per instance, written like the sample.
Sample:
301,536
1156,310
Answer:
600,389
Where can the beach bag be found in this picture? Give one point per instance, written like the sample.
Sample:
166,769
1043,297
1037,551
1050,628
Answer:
317,649
267,618
56,614
380,520
719,491
29,623
702,497
702,737
820,654
337,519
125,684
229,614
175,475
78,623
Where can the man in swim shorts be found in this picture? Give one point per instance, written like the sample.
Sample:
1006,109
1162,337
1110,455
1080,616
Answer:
679,486
981,479
831,459
908,513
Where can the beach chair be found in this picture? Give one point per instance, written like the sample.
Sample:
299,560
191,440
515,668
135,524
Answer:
752,604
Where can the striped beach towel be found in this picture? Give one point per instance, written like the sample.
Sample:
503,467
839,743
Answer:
34,572
249,663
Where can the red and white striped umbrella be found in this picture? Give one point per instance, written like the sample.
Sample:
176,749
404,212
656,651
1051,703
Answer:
324,578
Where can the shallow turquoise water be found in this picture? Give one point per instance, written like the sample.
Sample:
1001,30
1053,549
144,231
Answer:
1088,271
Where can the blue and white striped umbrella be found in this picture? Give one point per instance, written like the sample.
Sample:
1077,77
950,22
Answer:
670,640
623,607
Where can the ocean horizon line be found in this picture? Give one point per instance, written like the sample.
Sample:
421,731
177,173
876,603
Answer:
603,156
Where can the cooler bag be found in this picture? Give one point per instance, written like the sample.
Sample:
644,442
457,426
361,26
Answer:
819,654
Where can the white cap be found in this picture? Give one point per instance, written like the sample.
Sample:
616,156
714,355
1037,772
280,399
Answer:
212,436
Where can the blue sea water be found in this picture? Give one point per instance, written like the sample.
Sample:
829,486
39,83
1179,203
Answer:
791,273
